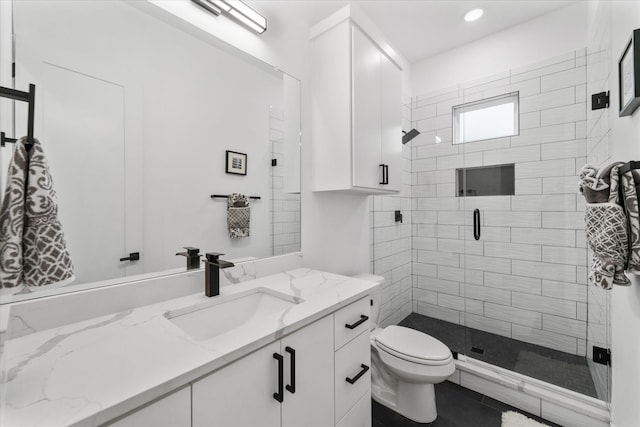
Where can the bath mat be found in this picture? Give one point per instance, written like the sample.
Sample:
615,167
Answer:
515,419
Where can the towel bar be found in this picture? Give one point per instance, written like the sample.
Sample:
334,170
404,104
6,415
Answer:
223,196
629,166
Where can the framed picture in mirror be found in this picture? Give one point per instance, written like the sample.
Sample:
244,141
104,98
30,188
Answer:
236,163
629,76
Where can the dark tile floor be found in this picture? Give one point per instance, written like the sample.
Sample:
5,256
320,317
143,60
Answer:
457,407
552,366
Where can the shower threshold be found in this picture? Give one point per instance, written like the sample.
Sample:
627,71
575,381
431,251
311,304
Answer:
552,366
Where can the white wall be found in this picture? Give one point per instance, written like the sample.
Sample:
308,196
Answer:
550,35
6,112
625,302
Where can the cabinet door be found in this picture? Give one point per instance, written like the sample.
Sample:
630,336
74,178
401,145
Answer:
312,403
241,394
171,411
366,111
391,122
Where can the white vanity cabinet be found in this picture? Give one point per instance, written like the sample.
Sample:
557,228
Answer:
246,392
170,411
353,365
356,111
318,376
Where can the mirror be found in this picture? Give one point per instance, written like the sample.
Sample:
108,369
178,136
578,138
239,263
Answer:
136,117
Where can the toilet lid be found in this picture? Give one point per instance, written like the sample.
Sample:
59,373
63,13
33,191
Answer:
413,345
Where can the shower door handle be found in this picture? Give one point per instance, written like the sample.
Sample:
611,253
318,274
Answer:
476,224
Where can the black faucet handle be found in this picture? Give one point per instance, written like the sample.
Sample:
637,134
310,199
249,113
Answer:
193,257
213,256
191,251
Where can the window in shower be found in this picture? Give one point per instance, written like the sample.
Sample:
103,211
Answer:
488,118
497,180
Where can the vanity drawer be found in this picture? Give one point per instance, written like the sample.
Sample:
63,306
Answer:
353,374
351,321
359,415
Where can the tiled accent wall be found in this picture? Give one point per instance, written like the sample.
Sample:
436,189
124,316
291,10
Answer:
526,278
598,128
285,207
390,251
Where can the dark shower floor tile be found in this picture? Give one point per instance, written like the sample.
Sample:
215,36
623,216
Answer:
457,407
552,366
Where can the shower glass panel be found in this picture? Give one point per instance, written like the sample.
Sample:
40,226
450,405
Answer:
524,296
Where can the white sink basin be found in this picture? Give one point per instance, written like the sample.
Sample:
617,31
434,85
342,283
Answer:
224,314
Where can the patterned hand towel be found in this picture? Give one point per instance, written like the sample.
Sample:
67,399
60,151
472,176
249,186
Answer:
630,181
238,215
605,225
33,251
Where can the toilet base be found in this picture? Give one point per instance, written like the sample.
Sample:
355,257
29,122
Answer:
414,401
417,401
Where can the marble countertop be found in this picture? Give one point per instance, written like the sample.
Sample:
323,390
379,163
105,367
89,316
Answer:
90,372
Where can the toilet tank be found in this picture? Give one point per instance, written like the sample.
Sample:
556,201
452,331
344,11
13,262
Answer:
376,296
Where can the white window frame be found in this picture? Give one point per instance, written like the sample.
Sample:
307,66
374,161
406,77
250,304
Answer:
481,104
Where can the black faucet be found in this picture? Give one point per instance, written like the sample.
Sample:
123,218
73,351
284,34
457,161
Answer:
212,273
193,257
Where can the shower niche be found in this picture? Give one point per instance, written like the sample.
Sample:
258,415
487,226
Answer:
495,180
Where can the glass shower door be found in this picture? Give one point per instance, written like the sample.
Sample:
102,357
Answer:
527,305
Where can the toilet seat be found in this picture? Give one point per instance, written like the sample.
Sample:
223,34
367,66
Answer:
413,346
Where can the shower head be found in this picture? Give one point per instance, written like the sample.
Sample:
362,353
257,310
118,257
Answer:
408,136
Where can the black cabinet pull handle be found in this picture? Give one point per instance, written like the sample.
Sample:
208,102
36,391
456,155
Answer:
476,224
279,396
385,174
292,387
363,319
364,370
133,256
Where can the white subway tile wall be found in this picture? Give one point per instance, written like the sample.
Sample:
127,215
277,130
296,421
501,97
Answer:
285,207
525,277
392,241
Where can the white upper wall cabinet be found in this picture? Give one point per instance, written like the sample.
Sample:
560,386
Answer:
356,110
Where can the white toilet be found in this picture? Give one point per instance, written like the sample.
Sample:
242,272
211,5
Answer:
405,366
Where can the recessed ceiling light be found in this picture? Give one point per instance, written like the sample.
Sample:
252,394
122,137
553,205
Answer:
474,14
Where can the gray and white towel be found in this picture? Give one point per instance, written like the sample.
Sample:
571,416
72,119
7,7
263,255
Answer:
33,251
611,224
238,215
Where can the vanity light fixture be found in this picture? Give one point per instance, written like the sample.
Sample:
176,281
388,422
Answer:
473,15
208,6
237,10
